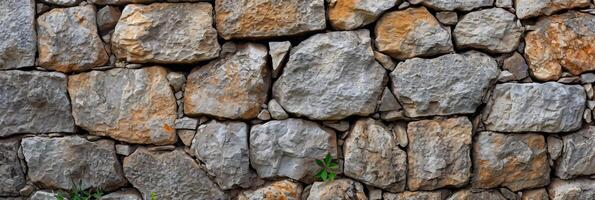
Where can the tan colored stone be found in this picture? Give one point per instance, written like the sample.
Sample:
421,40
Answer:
536,194
337,189
352,14
468,194
420,195
279,190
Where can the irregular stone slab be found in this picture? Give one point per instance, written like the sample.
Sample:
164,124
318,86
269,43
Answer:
130,105
398,34
468,194
460,5
447,17
331,76
170,175
107,18
578,154
388,102
438,153
517,65
571,189
62,2
420,195
233,86
12,176
289,148
536,194
34,102
548,107
469,74
284,189
372,155
69,40
279,52
62,162
42,195
494,30
277,112
573,33
353,14
18,40
269,18
337,189
125,194
515,161
223,147
149,33
533,8
120,2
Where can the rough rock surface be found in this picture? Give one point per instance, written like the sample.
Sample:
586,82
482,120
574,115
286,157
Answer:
561,42
12,176
18,41
268,18
494,30
166,33
125,194
233,86
462,5
79,161
411,33
34,102
372,155
338,189
572,189
515,161
548,107
170,175
62,2
438,153
68,40
517,65
284,189
331,76
532,8
453,83
131,105
468,194
119,2
107,18
578,154
536,194
278,52
223,147
289,148
419,195
353,14
42,195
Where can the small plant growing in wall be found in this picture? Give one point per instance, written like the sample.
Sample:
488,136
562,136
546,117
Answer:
328,167
77,193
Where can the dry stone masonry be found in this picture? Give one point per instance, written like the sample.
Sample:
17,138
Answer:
238,99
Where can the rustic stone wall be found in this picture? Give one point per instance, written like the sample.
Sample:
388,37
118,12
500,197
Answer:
236,99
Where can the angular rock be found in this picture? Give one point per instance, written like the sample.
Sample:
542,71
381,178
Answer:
460,5
125,194
34,102
536,194
269,18
338,189
533,8
548,107
554,147
277,112
468,194
517,66
264,115
130,105
233,86
177,80
561,42
124,149
62,162
340,126
289,148
505,4
505,76
68,40
43,195
120,2
398,34
578,154
62,2
438,153
170,175
12,176
515,161
452,84
353,14
331,76
420,195
279,52
372,155
149,33
186,136
107,18
186,123
494,30
284,189
571,189
448,18
388,102
384,60
400,131
18,40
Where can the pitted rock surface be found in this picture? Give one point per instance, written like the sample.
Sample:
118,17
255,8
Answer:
18,40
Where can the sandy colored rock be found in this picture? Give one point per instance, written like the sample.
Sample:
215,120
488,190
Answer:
450,5
578,154
536,194
130,105
353,14
338,189
468,194
12,174
413,32
494,30
579,189
18,40
532,8
419,195
284,189
279,52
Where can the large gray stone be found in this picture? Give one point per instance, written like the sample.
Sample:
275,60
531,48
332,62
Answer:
72,162
579,189
578,154
494,30
446,85
12,176
337,189
331,76
283,189
349,15
461,5
532,8
34,102
548,107
18,40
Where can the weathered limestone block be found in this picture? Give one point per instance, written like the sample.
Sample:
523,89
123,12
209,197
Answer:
12,176
468,194
461,5
284,189
279,51
419,195
167,33
34,102
331,76
571,189
353,14
578,154
18,40
338,189
532,8
536,194
119,2
549,107
130,105
494,30
125,194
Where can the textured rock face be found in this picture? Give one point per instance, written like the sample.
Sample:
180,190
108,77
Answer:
170,175
42,195
289,148
578,154
130,105
69,41
338,189
438,153
571,189
268,18
532,8
420,195
62,2
462,5
561,42
548,107
285,189
398,34
126,194
331,76
223,147
515,161
34,102
166,33
495,30
372,155
468,194
119,2
233,86
12,176
537,194
87,164
469,74
18,41
352,14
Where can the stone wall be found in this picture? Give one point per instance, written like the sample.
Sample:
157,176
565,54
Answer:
236,99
